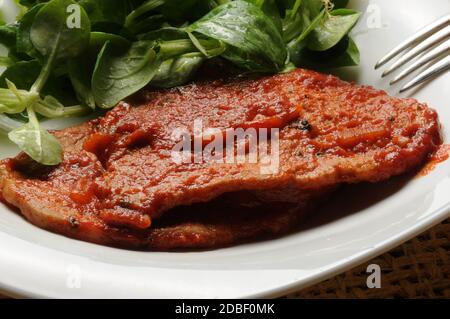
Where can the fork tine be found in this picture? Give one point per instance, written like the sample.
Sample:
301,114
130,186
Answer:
433,54
436,69
415,38
423,46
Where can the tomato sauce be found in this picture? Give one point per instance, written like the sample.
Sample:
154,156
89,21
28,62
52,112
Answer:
441,155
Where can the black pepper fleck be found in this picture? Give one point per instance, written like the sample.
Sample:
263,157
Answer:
125,203
302,125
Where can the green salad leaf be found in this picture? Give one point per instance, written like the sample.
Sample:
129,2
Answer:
106,11
254,42
8,35
22,74
82,67
23,40
51,35
335,26
45,30
69,57
177,71
39,144
121,71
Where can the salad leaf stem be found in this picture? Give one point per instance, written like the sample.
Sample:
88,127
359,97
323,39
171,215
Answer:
197,44
173,48
143,9
32,118
43,75
295,8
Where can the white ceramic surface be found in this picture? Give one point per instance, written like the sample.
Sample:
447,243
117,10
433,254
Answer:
36,263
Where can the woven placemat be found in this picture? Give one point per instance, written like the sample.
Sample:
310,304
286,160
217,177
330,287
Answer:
420,268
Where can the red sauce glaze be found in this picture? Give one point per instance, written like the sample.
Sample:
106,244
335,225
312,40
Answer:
441,155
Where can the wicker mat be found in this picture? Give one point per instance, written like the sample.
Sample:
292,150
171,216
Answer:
420,268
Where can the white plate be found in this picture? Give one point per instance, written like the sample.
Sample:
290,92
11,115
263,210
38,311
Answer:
37,263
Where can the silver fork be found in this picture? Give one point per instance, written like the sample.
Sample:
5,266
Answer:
434,41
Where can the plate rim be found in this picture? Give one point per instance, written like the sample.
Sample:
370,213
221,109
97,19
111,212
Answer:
433,218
